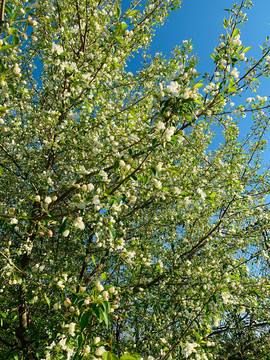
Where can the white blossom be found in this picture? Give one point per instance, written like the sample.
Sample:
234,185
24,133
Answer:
71,328
160,126
201,193
173,88
96,200
188,349
133,199
96,340
235,73
157,184
236,40
16,70
159,167
169,132
101,350
79,223
90,187
66,233
57,48
100,287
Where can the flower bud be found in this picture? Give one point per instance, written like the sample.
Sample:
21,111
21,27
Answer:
96,340
67,302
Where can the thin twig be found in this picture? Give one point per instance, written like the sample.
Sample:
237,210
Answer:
2,14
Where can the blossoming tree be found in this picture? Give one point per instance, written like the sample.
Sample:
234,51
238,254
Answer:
126,232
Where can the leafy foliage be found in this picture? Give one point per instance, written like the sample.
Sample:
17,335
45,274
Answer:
126,232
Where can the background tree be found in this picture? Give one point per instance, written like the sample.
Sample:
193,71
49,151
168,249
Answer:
125,230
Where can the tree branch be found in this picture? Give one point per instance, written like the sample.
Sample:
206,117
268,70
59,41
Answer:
2,15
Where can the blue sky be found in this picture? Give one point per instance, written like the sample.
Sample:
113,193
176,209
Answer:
202,21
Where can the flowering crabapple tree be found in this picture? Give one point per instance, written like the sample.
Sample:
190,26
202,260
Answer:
126,232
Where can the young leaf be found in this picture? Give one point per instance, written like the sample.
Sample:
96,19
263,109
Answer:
198,85
247,49
118,11
235,32
132,13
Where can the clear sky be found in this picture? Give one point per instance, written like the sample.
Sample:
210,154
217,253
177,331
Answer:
202,21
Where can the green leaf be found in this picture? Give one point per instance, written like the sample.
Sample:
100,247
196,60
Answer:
119,39
12,30
63,225
136,355
123,25
132,13
96,312
48,301
105,318
198,85
109,356
154,171
128,357
8,10
12,89
63,54
235,32
116,164
2,67
233,277
232,89
84,320
247,49
198,338
144,179
15,40
4,47
118,11
77,356
225,23
173,169
103,276
80,340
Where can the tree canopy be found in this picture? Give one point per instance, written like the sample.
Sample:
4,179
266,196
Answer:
133,213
